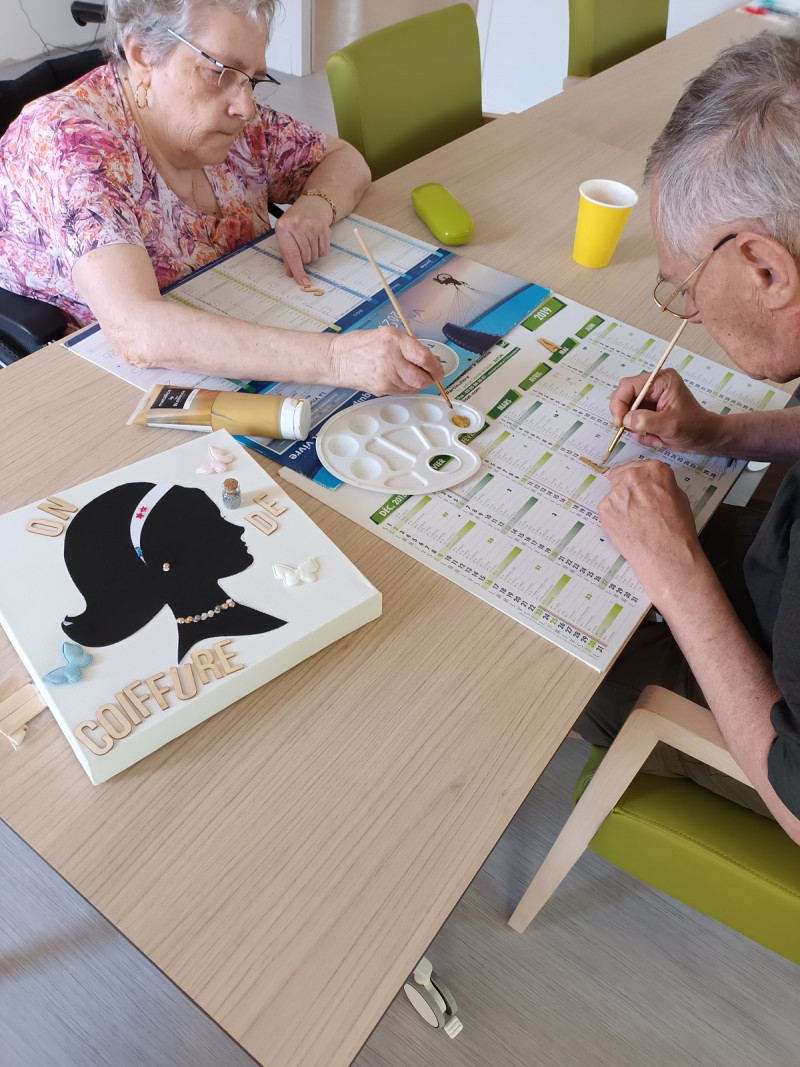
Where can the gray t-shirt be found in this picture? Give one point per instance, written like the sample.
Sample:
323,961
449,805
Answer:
772,575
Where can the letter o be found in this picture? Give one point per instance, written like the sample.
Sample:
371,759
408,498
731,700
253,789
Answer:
45,527
120,726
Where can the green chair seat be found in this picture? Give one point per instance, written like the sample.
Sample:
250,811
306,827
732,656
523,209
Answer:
725,861
407,89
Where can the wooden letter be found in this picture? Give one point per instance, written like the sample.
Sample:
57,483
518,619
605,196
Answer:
128,708
57,508
224,656
119,726
203,660
177,682
263,523
272,506
45,527
98,747
136,700
158,691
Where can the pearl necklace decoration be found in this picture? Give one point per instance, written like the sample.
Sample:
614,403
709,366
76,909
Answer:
208,614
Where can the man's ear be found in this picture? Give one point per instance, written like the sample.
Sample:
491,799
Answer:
771,268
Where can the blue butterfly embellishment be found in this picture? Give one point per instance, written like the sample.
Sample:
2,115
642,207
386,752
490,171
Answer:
75,659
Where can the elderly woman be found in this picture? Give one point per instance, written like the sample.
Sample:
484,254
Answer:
160,162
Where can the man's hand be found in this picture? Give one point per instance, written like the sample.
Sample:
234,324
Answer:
649,519
669,415
383,361
304,235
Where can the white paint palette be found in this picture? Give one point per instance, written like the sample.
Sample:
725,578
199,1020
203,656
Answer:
407,444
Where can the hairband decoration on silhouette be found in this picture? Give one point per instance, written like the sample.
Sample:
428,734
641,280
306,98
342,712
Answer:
141,513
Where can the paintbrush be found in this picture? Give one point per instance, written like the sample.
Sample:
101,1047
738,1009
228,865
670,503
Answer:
646,387
395,303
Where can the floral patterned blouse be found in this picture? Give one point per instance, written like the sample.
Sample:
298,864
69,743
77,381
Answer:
75,175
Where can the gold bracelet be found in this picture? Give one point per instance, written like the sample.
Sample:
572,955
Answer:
319,192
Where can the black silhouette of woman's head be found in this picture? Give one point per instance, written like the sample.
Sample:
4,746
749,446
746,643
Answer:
139,547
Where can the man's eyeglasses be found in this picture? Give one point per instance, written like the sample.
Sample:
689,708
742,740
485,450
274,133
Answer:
675,300
230,78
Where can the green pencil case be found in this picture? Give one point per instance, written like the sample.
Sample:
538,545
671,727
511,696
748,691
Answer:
445,217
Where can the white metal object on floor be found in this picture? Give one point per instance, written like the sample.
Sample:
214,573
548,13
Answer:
432,999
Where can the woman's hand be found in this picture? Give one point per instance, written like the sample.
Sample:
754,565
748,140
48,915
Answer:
383,361
669,415
304,235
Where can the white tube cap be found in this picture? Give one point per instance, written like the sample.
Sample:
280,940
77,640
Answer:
295,418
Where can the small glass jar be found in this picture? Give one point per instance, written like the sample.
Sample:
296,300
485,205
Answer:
231,494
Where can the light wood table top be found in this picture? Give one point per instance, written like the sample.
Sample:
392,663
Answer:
288,862
628,105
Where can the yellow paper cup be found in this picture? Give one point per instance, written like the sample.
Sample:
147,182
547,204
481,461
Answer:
603,210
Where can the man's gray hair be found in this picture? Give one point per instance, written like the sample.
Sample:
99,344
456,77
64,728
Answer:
731,149
150,20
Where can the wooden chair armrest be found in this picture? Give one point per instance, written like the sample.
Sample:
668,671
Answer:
659,715
689,727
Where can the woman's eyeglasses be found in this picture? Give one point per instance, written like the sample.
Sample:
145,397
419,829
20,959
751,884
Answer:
231,80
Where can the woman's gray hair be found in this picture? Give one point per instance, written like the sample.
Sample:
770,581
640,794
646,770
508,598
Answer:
149,21
731,149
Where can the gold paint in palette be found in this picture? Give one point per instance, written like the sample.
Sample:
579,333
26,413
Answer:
116,719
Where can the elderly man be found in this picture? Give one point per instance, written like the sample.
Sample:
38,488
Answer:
725,205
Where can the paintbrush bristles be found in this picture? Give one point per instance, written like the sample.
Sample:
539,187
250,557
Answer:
394,301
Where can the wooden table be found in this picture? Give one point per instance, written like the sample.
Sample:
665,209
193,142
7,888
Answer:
288,862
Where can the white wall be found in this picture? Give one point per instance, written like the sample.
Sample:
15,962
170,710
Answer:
524,46
524,42
290,45
524,51
289,50
53,21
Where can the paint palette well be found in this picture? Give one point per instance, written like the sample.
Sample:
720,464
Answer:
447,356
407,444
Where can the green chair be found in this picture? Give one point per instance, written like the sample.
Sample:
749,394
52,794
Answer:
604,32
728,862
402,91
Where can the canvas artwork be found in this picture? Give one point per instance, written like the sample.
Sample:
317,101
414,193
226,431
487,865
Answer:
146,600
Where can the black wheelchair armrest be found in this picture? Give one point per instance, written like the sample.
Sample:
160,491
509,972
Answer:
29,324
84,11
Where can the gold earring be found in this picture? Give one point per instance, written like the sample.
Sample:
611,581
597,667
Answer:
165,567
142,102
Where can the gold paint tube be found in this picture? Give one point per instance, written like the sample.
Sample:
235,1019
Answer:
244,414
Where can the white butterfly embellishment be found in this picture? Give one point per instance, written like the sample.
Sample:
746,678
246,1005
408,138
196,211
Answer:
306,571
219,460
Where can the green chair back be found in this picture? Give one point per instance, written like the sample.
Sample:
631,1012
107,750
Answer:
604,32
725,861
402,91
